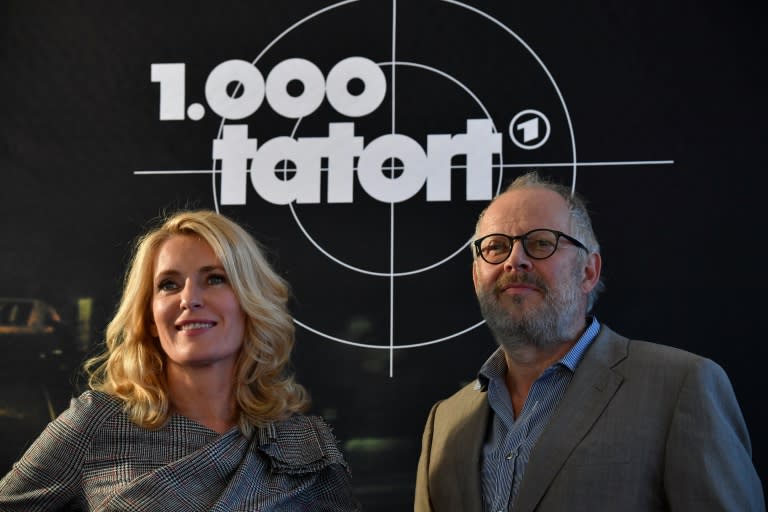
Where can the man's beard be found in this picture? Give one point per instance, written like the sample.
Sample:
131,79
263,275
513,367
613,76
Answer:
550,324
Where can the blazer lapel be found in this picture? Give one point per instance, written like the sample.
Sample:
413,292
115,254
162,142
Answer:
472,437
594,384
462,429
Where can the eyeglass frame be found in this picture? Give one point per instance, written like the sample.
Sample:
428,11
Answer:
512,239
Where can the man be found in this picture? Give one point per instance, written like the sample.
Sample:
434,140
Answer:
568,415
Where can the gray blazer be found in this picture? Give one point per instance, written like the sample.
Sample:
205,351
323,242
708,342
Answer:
641,427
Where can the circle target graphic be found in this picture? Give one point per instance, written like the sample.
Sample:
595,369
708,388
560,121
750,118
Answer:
474,91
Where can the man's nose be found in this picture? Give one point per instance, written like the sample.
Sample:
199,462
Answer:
517,259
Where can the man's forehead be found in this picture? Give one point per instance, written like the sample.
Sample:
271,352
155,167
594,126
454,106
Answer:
527,204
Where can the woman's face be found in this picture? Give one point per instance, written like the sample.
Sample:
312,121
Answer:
196,314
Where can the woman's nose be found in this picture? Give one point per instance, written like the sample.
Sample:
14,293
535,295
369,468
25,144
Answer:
191,296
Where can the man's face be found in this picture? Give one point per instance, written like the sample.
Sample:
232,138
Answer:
526,301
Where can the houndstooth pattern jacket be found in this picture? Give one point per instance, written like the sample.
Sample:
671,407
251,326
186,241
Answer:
93,458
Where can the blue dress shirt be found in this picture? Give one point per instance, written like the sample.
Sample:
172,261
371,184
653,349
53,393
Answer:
510,440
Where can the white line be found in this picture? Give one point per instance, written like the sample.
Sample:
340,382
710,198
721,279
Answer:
555,164
391,288
393,91
591,164
394,60
192,171
386,347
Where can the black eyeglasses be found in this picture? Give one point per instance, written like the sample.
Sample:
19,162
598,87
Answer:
538,244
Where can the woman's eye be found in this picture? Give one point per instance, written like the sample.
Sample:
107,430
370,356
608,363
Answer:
216,279
167,285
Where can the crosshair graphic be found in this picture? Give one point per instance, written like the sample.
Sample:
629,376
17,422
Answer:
391,274
529,129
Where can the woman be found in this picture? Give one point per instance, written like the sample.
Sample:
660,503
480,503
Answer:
191,407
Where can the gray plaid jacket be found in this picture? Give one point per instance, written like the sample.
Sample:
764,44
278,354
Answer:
92,457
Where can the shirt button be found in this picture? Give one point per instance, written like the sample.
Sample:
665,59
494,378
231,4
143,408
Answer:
510,455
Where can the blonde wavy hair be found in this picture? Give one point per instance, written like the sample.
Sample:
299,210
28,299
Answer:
132,365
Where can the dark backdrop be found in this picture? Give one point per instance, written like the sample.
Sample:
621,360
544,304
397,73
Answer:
665,111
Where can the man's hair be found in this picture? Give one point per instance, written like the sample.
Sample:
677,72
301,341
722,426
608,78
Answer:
132,364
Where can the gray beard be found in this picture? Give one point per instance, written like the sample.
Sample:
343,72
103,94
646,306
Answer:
548,326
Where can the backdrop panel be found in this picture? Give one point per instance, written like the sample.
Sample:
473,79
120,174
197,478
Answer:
359,140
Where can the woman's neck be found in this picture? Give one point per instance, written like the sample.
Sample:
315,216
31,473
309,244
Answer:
203,396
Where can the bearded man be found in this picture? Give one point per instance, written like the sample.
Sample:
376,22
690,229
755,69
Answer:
568,415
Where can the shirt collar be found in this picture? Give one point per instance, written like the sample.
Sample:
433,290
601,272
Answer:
496,366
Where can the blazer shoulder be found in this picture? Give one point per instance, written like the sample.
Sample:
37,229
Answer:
669,356
610,344
466,409
656,364
89,412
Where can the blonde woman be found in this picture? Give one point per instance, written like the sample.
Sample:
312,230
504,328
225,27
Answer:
191,406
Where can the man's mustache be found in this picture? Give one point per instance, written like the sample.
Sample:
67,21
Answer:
519,278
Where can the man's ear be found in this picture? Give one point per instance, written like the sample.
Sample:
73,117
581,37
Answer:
592,269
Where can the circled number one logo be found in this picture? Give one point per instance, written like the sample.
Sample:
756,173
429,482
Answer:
529,129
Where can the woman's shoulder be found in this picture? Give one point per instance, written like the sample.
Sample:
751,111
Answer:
301,443
90,410
66,441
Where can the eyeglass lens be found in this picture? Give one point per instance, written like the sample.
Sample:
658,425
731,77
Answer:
540,243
